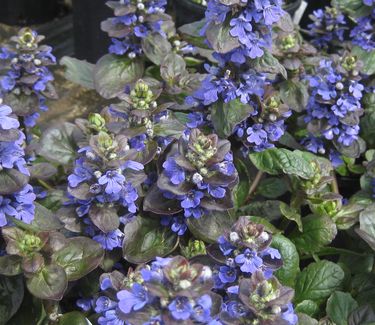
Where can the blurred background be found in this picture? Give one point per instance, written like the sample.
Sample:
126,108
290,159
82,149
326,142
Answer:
72,27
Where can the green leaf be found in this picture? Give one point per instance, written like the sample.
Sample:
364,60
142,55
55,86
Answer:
288,272
241,191
317,233
364,315
368,59
30,312
212,225
50,283
156,47
318,281
79,71
295,94
44,219
104,217
218,35
73,318
268,63
269,209
173,67
58,143
304,319
79,257
112,73
272,188
10,265
307,307
225,116
339,306
11,181
277,161
366,229
11,296
145,239
291,214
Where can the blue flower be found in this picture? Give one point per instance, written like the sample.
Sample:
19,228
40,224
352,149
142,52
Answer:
249,261
180,308
110,240
289,315
7,122
227,274
202,309
256,134
103,304
192,200
175,173
132,300
6,209
113,181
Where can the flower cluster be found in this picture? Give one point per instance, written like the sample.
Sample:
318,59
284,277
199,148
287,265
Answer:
245,273
196,174
259,300
16,200
266,126
137,114
363,33
250,24
133,21
28,79
243,251
328,26
227,84
334,107
104,183
168,291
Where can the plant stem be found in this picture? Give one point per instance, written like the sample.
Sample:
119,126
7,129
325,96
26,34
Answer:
254,186
45,185
335,185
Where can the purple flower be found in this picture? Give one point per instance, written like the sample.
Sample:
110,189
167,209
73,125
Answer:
6,209
256,134
113,181
103,304
249,261
6,122
110,240
175,173
227,274
192,199
180,308
202,309
132,300
289,315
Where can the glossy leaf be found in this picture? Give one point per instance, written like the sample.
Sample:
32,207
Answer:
11,181
145,239
318,281
288,272
113,73
212,225
277,161
11,296
317,233
225,116
339,306
79,257
50,283
58,143
79,71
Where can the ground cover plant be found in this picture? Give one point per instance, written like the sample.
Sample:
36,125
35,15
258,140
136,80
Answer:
229,179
